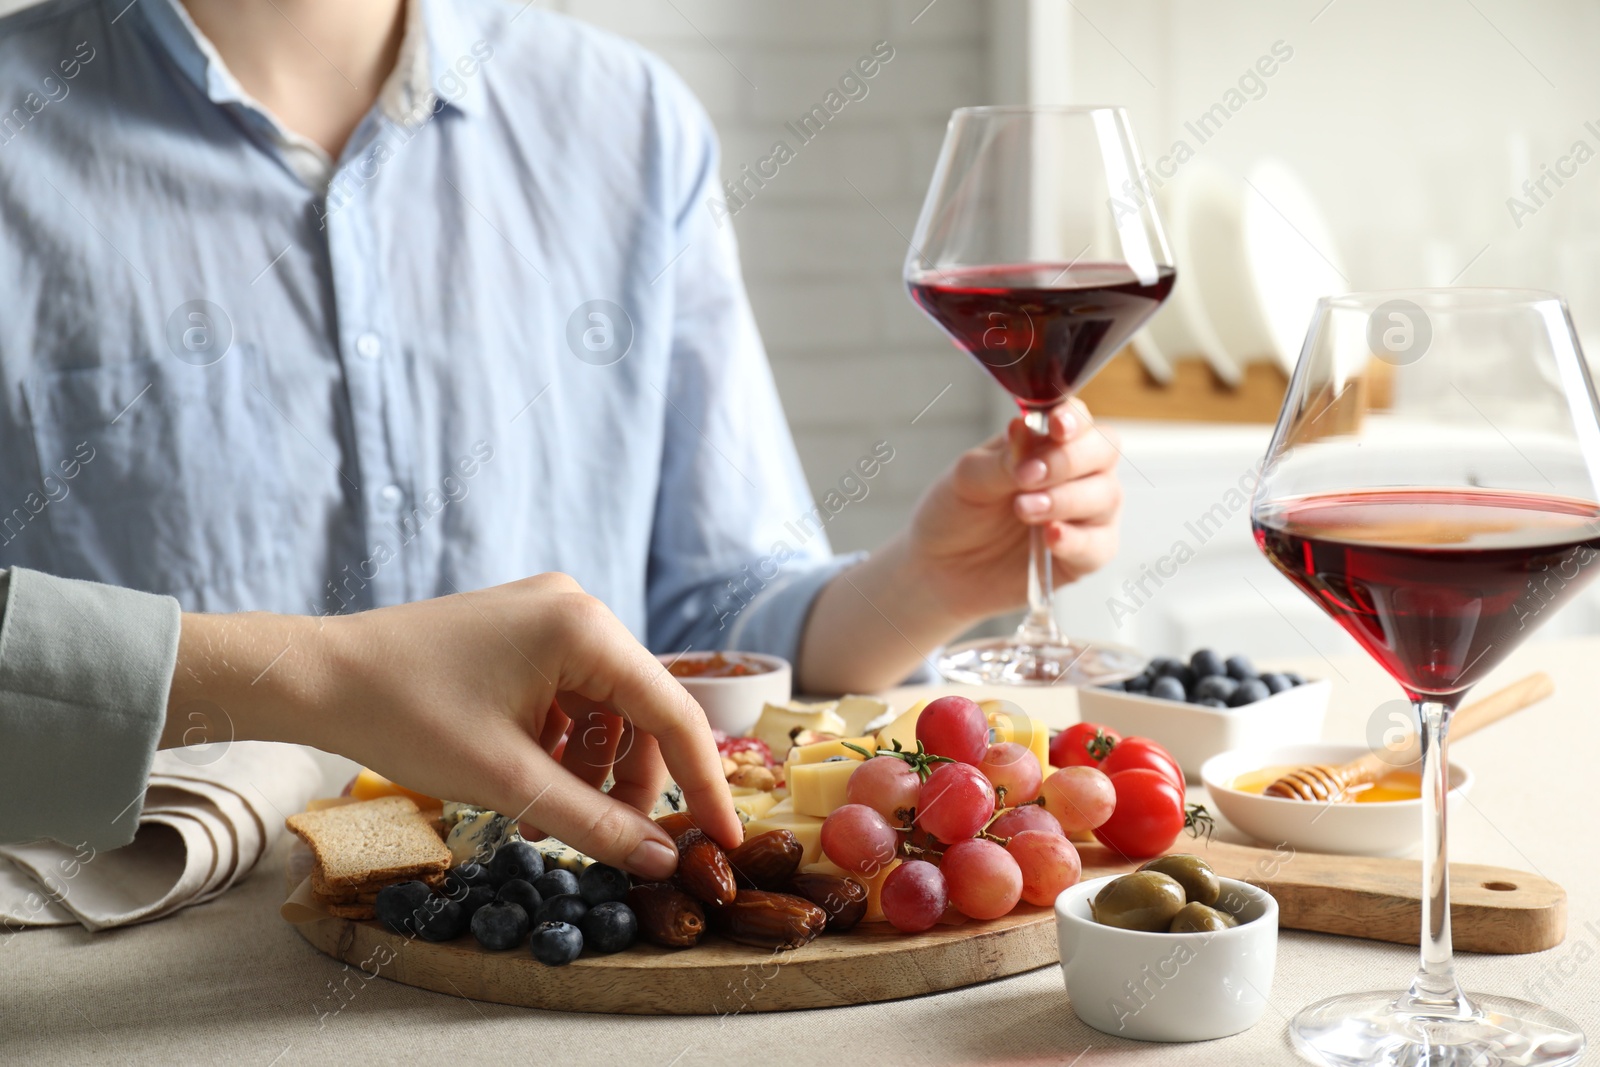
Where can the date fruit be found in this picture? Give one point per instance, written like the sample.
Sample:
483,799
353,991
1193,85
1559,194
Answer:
676,823
769,920
667,915
767,860
844,899
703,869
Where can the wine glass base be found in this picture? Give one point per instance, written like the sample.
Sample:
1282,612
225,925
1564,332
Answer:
1008,661
1369,1029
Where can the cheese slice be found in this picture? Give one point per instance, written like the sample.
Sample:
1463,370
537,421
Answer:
559,856
477,833
903,729
784,806
820,788
857,712
818,751
807,829
753,805
777,723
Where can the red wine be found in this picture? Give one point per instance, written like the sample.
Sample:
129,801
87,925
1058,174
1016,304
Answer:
1042,330
1438,585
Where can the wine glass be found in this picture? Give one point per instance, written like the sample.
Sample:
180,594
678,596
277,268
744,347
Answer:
1432,486
1038,252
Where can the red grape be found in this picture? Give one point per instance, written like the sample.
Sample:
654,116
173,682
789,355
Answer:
1027,817
955,727
914,895
954,802
858,839
1049,864
1015,768
984,879
887,785
1080,798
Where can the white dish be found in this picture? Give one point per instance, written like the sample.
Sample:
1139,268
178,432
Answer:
733,705
1169,987
1193,734
1290,255
1389,828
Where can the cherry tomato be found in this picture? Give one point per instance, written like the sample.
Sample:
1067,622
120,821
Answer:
1141,752
1075,746
1148,817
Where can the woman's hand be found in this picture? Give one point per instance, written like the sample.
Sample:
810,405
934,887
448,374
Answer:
965,555
465,696
969,534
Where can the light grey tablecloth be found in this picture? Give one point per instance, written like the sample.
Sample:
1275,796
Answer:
230,982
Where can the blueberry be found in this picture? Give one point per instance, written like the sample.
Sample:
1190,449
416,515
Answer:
520,892
478,896
562,908
1240,668
1161,665
610,926
555,944
1211,702
459,879
1138,684
440,919
500,926
1172,668
1167,688
555,883
1250,690
397,906
1295,677
516,859
1276,683
600,883
1206,663
1215,687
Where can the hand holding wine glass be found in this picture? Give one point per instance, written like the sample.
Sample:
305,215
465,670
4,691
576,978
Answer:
1038,253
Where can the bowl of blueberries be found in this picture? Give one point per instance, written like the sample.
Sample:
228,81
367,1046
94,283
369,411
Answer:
1208,704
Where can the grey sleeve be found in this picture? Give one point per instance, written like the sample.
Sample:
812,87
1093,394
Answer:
84,674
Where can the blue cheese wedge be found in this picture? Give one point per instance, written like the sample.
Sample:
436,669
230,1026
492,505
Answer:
559,856
670,800
477,833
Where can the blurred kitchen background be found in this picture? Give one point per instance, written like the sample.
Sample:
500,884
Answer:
1381,151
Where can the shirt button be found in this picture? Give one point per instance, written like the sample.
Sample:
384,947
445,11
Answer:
368,346
392,495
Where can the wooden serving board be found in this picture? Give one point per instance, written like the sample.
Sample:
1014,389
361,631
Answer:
1351,895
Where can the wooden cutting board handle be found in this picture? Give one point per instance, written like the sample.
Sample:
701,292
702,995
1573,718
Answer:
1492,909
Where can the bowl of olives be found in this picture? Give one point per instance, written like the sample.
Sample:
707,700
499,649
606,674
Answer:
1170,952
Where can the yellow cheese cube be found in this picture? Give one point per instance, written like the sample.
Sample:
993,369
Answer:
818,788
755,805
825,750
1007,723
807,830
784,806
777,723
902,729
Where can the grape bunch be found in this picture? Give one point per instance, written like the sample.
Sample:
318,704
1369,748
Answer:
963,826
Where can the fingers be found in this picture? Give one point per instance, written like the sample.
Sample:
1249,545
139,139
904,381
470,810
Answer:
1095,498
590,821
1053,462
1023,460
592,744
640,775
606,665
1080,549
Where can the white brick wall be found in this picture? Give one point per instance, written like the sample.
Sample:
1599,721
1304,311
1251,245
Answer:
854,360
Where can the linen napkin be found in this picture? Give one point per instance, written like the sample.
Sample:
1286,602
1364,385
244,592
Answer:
202,828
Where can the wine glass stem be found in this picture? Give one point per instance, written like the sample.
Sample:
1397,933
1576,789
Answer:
1039,625
1434,990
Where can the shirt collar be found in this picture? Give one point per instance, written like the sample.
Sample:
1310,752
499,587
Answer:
424,79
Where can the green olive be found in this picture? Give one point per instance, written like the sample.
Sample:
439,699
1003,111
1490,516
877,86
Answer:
1199,881
1144,900
1198,918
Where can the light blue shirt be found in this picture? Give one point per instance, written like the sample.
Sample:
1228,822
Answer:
509,337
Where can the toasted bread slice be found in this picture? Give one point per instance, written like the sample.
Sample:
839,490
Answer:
374,842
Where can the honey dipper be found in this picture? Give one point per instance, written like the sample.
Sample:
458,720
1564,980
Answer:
1331,783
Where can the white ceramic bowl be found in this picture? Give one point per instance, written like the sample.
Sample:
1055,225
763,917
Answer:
1193,734
733,705
1389,828
1169,987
